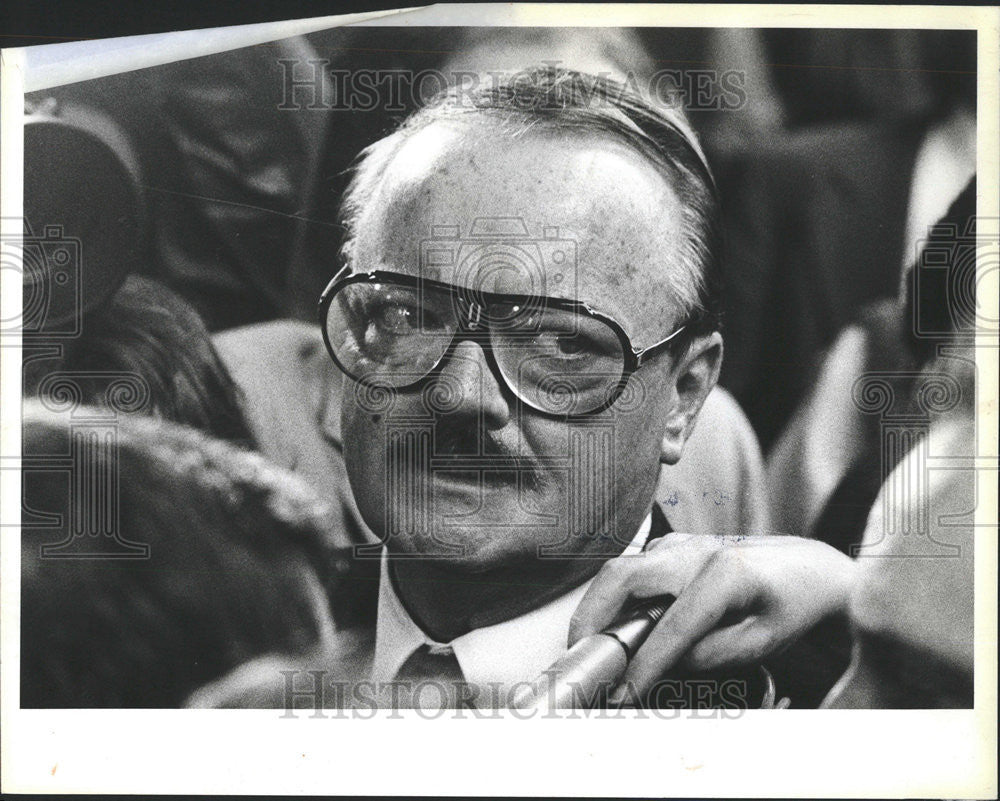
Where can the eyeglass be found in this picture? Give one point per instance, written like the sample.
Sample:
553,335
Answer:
558,356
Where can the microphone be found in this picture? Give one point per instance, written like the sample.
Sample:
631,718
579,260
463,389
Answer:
592,667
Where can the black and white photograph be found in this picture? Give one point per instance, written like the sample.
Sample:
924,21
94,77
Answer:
507,364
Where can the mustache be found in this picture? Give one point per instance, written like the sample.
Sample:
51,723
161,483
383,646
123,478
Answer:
457,444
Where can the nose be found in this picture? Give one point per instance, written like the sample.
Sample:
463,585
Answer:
466,386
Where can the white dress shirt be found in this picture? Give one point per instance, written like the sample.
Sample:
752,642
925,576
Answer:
497,656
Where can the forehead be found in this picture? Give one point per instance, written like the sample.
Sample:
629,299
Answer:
525,207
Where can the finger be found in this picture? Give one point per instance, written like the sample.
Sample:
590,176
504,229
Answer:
664,570
747,642
719,587
624,579
669,540
609,591
680,540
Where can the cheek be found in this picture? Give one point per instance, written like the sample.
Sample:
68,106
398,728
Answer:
363,433
641,433
638,436
637,445
641,420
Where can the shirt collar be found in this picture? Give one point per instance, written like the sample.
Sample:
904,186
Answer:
503,654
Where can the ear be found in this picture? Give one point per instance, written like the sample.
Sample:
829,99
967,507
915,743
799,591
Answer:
694,375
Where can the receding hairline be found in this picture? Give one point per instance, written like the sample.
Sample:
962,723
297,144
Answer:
516,123
384,154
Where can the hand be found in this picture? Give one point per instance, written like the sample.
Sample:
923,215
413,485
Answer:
738,599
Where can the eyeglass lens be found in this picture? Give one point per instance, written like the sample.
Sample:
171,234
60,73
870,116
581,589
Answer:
555,360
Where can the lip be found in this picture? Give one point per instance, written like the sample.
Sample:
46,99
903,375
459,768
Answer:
470,473
484,462
468,479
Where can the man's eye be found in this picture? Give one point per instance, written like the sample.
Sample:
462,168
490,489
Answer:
566,345
395,318
571,346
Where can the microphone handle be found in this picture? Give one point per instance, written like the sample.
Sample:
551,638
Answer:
593,666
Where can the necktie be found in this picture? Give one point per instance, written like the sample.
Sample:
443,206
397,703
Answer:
430,680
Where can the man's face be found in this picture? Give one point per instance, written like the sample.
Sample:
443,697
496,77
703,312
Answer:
599,225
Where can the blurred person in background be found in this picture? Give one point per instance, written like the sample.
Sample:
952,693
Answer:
825,213
827,467
913,601
224,170
239,565
97,330
147,333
